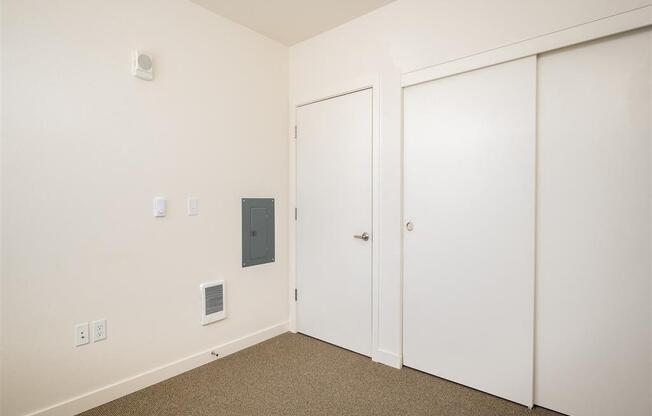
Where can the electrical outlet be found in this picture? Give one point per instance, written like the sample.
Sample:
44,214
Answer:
81,334
99,330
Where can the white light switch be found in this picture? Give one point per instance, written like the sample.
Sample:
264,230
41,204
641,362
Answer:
160,207
193,206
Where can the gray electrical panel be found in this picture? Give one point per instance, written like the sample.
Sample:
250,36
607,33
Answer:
257,231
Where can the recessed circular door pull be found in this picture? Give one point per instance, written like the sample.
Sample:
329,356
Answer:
409,226
363,237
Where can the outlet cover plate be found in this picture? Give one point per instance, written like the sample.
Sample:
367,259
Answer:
99,330
81,334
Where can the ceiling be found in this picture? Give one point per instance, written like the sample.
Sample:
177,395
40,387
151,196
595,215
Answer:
291,21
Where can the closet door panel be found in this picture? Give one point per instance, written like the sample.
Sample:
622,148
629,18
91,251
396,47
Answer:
469,259
593,232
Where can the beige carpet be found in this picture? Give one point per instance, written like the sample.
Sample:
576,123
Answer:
297,375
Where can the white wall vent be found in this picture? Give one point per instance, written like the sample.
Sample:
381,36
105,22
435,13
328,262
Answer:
213,306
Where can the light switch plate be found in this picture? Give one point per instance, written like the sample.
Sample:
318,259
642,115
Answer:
193,207
160,206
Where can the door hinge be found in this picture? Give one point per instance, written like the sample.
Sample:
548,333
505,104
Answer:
295,295
295,214
295,131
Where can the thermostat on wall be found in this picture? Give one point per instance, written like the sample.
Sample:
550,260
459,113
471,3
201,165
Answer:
142,66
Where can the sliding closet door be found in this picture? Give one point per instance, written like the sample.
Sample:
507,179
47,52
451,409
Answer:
593,259
469,196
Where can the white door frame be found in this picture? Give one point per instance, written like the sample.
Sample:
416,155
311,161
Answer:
321,94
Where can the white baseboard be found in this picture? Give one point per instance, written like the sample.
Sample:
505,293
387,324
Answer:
388,358
129,385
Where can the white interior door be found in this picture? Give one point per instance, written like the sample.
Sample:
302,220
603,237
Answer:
593,243
334,199
469,261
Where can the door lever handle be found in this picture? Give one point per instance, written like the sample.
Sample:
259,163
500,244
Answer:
363,237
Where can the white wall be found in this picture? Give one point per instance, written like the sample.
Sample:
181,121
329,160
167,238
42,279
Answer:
405,36
85,148
1,325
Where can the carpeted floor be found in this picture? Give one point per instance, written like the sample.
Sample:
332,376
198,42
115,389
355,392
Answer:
296,375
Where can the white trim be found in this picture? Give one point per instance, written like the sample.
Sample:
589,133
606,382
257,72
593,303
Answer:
319,94
611,25
324,92
292,224
376,215
388,358
129,385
